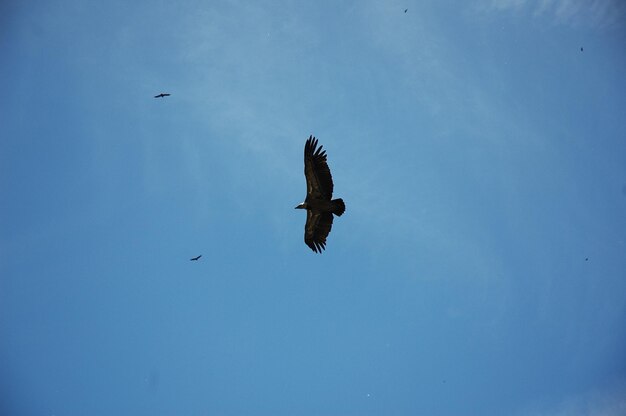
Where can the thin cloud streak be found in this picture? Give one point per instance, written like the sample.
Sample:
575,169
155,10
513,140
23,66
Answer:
608,402
599,14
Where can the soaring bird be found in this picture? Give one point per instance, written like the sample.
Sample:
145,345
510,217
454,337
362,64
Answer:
162,95
319,204
195,258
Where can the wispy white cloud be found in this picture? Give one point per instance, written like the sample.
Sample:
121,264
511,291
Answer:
507,4
608,402
599,14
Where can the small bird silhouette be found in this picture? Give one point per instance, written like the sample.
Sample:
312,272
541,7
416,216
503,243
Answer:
581,49
196,258
162,95
405,10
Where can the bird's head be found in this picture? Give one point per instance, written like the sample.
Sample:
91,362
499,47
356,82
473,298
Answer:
301,206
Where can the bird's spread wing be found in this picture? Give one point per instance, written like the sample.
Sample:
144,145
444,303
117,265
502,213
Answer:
319,182
316,230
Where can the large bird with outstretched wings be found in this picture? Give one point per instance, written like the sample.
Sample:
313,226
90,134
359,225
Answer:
319,204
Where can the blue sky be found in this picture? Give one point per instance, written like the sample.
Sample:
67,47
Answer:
479,268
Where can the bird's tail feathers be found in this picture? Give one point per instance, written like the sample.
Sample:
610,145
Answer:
338,207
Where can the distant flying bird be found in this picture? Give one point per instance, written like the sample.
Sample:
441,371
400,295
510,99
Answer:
162,95
196,258
319,191
581,49
405,10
